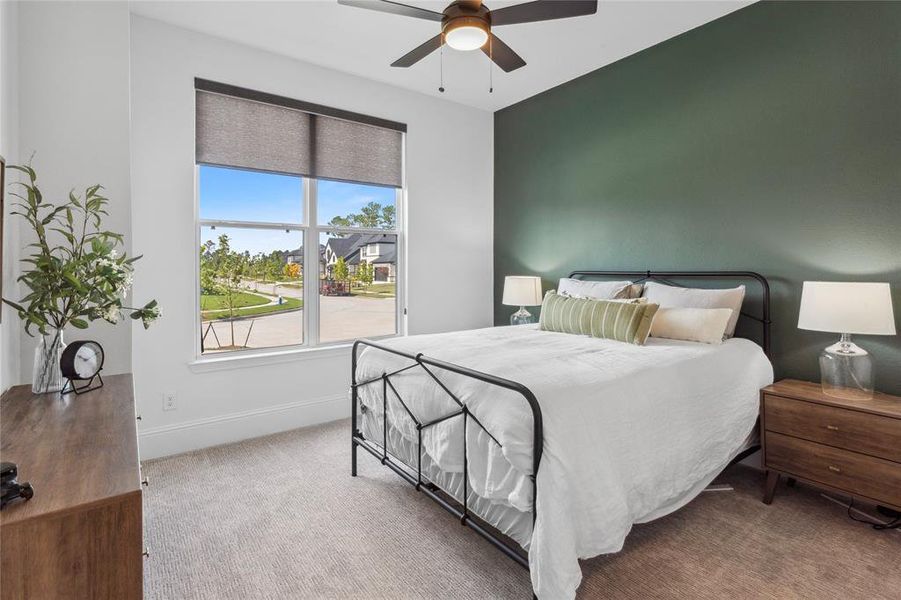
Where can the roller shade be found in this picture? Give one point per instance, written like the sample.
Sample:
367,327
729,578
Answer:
242,128
233,132
356,152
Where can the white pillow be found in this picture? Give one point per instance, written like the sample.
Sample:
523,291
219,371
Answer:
595,290
705,325
668,296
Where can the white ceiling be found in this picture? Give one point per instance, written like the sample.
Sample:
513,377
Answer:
365,42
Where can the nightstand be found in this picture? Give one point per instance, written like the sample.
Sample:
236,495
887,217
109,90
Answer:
850,447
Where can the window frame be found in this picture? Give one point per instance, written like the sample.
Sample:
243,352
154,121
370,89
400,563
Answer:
311,231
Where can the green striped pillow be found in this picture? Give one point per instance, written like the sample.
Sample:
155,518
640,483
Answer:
623,321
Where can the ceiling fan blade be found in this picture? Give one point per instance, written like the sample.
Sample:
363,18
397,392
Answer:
502,54
543,10
417,54
395,8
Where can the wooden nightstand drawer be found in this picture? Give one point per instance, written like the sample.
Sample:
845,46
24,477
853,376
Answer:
859,474
853,430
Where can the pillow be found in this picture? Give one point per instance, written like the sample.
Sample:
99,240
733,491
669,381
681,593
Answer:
597,290
705,325
628,321
668,296
634,290
627,300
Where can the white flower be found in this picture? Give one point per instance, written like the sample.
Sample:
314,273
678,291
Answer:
125,284
112,314
103,261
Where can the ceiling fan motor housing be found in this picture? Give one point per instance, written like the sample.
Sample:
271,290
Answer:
463,14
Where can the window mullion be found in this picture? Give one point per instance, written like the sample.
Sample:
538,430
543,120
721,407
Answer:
311,263
363,230
400,268
214,223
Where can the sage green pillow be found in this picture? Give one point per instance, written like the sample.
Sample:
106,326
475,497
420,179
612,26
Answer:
622,320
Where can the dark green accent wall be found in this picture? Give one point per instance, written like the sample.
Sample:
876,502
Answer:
767,140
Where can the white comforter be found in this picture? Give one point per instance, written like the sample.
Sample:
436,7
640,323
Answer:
631,433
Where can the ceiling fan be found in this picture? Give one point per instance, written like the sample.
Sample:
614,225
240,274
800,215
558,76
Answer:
466,25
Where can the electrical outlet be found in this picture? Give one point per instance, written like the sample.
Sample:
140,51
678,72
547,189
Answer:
169,401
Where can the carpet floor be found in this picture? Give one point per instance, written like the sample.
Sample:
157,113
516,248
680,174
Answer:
280,517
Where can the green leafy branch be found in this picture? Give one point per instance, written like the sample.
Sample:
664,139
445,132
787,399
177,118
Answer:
83,278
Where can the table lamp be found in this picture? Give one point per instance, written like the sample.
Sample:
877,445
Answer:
846,369
522,291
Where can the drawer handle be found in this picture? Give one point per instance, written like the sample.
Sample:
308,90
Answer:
834,469
146,481
832,427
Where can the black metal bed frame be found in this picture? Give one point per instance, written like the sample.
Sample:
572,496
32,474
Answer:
430,365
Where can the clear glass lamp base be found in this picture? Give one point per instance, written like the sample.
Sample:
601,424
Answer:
521,317
846,371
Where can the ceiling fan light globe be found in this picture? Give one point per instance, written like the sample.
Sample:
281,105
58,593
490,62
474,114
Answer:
466,37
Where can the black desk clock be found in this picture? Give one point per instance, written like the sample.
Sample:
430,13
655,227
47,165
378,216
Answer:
82,361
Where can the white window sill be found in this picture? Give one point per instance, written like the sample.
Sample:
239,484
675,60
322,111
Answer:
243,360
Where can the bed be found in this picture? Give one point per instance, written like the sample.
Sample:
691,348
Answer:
617,434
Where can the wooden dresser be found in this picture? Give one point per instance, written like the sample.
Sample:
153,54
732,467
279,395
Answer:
850,446
81,536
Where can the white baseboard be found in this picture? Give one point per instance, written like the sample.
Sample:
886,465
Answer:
166,440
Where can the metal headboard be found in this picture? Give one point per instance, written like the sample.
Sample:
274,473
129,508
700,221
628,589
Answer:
666,277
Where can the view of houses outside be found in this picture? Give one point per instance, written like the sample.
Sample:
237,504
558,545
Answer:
252,278
357,295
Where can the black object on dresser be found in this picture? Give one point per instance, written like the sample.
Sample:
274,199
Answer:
10,488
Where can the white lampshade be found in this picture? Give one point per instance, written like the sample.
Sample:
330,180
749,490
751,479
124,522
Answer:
522,290
847,307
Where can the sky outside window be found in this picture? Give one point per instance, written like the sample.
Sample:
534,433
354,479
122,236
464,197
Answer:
254,241
239,195
236,195
340,199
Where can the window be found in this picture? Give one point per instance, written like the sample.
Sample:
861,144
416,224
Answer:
288,257
359,234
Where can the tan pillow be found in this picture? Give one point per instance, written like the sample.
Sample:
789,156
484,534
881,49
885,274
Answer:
705,325
634,290
668,296
629,300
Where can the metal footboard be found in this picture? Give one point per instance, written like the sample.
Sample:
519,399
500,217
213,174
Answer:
432,367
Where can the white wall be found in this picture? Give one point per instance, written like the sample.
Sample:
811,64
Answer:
73,113
449,181
9,138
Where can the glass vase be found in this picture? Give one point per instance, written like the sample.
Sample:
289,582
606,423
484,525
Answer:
847,371
521,317
46,376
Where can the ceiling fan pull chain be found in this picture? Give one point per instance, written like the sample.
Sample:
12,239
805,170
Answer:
441,60
490,65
